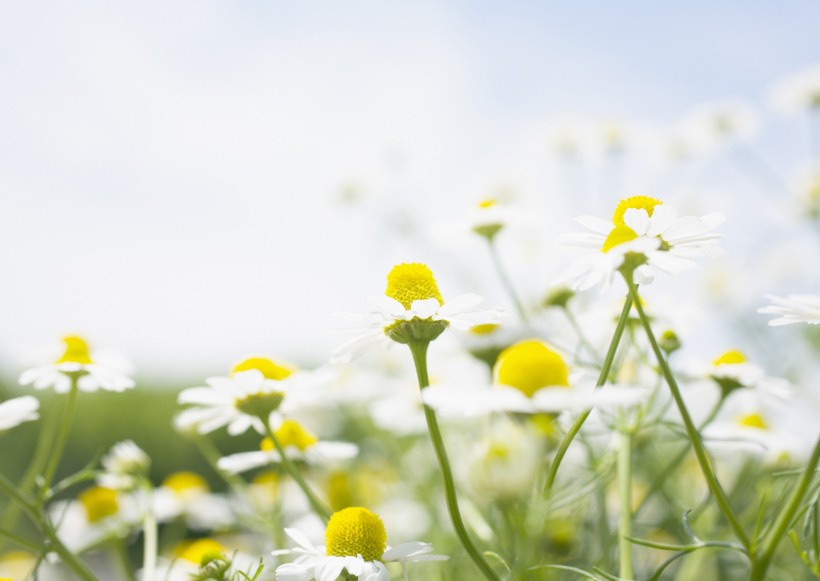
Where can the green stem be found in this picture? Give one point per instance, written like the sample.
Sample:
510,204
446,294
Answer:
150,533
121,556
211,454
317,505
691,429
20,541
625,512
419,351
505,281
602,378
62,435
784,519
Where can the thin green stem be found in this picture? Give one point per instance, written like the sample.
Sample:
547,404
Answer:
20,541
691,429
505,281
317,505
419,351
62,435
150,534
625,512
211,454
784,519
602,378
121,556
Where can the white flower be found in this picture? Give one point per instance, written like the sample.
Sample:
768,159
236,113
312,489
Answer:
799,92
298,443
732,371
76,362
412,296
641,226
257,388
356,542
506,462
98,514
15,411
187,495
793,309
123,463
716,123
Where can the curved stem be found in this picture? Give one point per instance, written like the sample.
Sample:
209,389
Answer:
602,377
419,351
691,429
317,505
62,435
761,564
505,281
625,513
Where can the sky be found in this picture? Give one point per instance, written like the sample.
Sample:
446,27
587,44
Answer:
194,181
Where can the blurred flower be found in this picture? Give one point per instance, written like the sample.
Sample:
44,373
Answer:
97,514
124,464
15,411
256,388
647,231
187,495
490,216
204,559
356,542
298,443
76,362
798,92
506,462
793,309
714,124
412,310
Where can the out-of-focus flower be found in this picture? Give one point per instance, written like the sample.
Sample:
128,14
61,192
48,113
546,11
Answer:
187,495
204,559
529,377
799,92
256,389
97,514
298,443
793,309
749,428
124,464
714,124
412,310
490,216
15,411
644,229
356,542
733,371
76,361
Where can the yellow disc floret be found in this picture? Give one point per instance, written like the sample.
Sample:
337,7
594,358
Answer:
291,433
634,203
355,531
530,365
265,366
755,421
484,329
199,550
487,203
98,502
186,484
76,351
731,357
412,282
619,235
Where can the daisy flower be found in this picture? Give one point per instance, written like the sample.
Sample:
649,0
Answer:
356,542
412,309
15,411
123,465
298,443
732,371
75,362
490,216
530,377
799,92
793,309
187,495
645,229
256,388
97,514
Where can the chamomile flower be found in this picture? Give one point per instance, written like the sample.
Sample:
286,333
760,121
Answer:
412,310
793,309
355,542
76,362
648,231
733,371
490,216
298,443
186,495
256,388
15,411
530,377
97,514
123,465
799,92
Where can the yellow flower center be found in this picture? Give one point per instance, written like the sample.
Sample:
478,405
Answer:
186,484
199,551
76,351
265,366
634,203
412,282
488,203
731,357
753,421
98,502
530,365
355,531
484,329
291,433
619,235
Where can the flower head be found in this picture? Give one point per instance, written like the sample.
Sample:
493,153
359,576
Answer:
123,465
412,309
793,309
